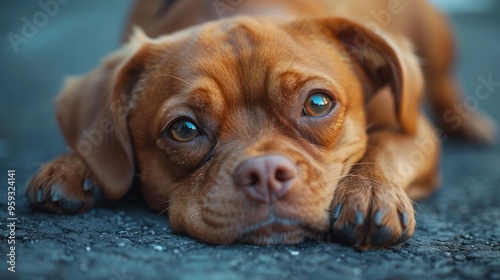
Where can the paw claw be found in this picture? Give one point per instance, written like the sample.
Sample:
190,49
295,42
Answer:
377,218
39,195
404,219
55,193
336,211
88,185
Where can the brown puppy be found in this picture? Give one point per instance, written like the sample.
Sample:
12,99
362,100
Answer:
298,119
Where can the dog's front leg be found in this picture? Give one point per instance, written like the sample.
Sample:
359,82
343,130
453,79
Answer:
63,186
372,205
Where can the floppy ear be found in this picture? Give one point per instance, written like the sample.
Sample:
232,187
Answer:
92,112
383,60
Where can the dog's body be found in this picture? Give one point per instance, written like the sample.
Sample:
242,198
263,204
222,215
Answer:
284,121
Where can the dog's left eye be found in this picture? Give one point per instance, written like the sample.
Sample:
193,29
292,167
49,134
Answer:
183,130
318,105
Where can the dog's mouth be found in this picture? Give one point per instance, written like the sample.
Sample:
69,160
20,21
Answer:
277,230
273,222
273,231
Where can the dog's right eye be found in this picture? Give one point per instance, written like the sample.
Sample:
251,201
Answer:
318,105
183,130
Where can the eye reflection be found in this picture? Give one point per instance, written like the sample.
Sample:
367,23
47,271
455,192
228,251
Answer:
318,105
183,130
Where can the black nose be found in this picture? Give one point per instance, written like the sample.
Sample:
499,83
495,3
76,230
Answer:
266,178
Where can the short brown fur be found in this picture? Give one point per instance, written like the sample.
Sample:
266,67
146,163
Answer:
244,81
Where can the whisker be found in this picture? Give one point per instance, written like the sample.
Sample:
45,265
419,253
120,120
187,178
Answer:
370,125
414,202
163,211
159,203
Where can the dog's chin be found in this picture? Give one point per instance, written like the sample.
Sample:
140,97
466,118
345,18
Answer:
277,231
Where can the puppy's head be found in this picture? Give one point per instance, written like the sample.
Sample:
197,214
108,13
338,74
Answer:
240,130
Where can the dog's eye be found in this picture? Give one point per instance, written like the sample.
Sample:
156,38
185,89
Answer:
183,130
318,105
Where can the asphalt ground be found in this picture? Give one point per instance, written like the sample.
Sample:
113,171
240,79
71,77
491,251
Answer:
458,233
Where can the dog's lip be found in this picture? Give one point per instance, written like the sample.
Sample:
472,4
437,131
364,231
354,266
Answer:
281,228
273,220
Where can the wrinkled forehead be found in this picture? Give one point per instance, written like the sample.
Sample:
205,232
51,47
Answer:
246,62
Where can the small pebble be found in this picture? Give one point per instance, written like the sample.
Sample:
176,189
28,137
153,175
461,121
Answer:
473,255
87,249
459,257
84,267
158,248
294,253
356,271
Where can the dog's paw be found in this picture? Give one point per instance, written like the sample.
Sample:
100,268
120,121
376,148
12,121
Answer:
368,213
476,127
62,186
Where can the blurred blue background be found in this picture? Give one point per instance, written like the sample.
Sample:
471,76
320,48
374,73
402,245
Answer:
72,41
